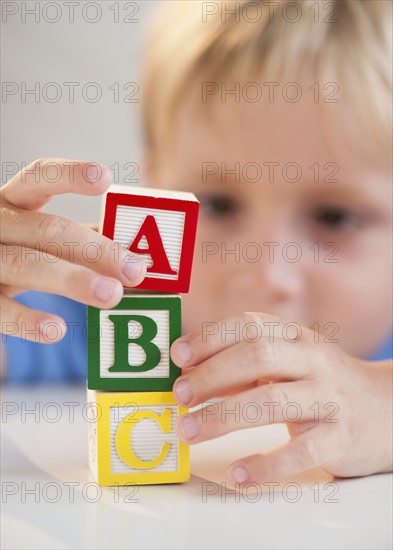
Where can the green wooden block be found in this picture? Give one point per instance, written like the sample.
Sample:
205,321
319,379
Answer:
128,346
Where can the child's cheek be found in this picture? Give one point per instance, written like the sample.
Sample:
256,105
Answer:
352,300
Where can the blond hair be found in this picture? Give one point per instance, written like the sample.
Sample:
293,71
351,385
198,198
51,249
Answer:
344,41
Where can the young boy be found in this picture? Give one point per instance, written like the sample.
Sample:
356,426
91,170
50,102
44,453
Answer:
278,117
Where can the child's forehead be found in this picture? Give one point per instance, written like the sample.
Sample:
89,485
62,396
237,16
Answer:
280,132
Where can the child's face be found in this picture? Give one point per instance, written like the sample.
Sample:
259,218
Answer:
343,287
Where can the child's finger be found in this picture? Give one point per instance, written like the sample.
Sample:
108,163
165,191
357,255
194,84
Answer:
196,347
239,365
309,450
36,184
30,324
268,404
71,241
33,270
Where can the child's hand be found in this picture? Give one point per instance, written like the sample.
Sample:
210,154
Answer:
52,254
338,409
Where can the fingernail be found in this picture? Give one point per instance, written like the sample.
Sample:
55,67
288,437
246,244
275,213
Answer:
97,172
94,173
189,427
182,391
183,350
106,177
104,288
51,330
133,267
239,474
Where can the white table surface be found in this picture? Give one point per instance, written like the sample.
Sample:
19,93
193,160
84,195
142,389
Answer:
47,453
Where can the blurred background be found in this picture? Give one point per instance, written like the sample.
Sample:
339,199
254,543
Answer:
70,74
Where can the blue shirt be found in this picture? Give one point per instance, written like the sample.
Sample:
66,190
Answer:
66,361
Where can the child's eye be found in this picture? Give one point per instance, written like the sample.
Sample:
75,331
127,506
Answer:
219,206
336,218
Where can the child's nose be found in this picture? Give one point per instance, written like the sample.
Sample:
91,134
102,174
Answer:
276,272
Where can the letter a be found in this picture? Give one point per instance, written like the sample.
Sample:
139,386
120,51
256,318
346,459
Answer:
150,231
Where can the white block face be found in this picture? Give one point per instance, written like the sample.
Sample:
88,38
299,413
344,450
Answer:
129,220
136,354
146,439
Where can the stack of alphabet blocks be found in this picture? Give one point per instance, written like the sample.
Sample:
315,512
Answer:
132,439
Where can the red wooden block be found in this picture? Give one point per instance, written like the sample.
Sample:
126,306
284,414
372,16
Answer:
158,224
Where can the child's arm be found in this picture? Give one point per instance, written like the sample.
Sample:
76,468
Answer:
338,409
52,254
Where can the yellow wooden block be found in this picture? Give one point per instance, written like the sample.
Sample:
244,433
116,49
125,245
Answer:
132,439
